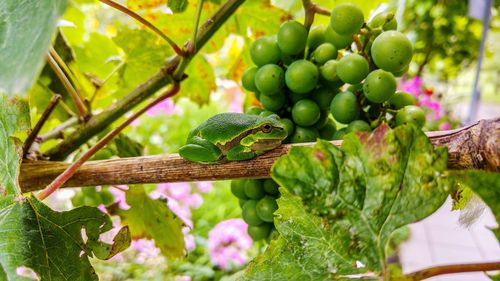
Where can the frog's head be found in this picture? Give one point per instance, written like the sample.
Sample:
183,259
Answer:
267,134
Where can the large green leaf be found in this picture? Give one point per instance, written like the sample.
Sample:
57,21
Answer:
354,198
50,243
25,32
152,219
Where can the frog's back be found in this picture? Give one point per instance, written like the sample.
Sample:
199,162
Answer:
225,126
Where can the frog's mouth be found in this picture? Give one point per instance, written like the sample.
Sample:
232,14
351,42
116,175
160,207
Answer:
265,144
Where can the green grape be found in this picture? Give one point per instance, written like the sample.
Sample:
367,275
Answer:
301,76
266,113
295,97
242,202
338,40
254,189
379,86
265,50
323,97
259,232
324,53
323,118
249,213
288,124
352,68
253,110
269,79
248,79
344,107
339,134
358,126
401,72
302,134
305,112
346,18
328,70
385,20
402,99
316,37
266,208
274,102
238,189
292,37
328,131
411,114
271,187
391,51
355,88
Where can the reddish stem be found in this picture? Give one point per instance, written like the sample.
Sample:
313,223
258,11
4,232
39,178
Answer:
45,115
64,176
144,21
454,268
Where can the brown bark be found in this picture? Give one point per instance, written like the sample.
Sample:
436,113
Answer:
473,147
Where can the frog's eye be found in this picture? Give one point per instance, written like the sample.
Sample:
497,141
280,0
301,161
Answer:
267,128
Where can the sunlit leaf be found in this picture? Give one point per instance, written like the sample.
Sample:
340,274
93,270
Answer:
353,199
152,219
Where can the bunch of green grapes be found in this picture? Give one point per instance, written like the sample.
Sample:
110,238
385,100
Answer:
258,203
332,80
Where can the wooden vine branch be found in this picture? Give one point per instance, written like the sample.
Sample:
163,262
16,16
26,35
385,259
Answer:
476,146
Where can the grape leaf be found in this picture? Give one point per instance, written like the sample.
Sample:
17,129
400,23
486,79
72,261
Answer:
200,83
50,243
177,6
486,185
354,198
152,219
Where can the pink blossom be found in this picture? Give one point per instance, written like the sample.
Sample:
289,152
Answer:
119,195
188,239
165,107
205,186
412,86
445,126
146,249
182,278
228,242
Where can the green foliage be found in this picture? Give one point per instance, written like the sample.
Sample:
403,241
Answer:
447,40
485,184
341,205
50,243
152,219
177,6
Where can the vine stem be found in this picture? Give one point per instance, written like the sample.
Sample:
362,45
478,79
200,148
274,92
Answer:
82,111
45,115
146,23
57,132
199,8
64,176
311,9
447,269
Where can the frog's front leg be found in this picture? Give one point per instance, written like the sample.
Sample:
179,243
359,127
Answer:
200,150
240,152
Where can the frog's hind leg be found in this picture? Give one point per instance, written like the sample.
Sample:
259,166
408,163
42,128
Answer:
200,150
240,153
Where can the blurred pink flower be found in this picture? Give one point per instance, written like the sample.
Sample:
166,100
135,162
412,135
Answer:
228,242
165,107
182,278
412,86
119,194
205,186
145,248
425,97
188,239
445,126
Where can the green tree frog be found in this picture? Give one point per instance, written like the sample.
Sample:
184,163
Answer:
233,136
